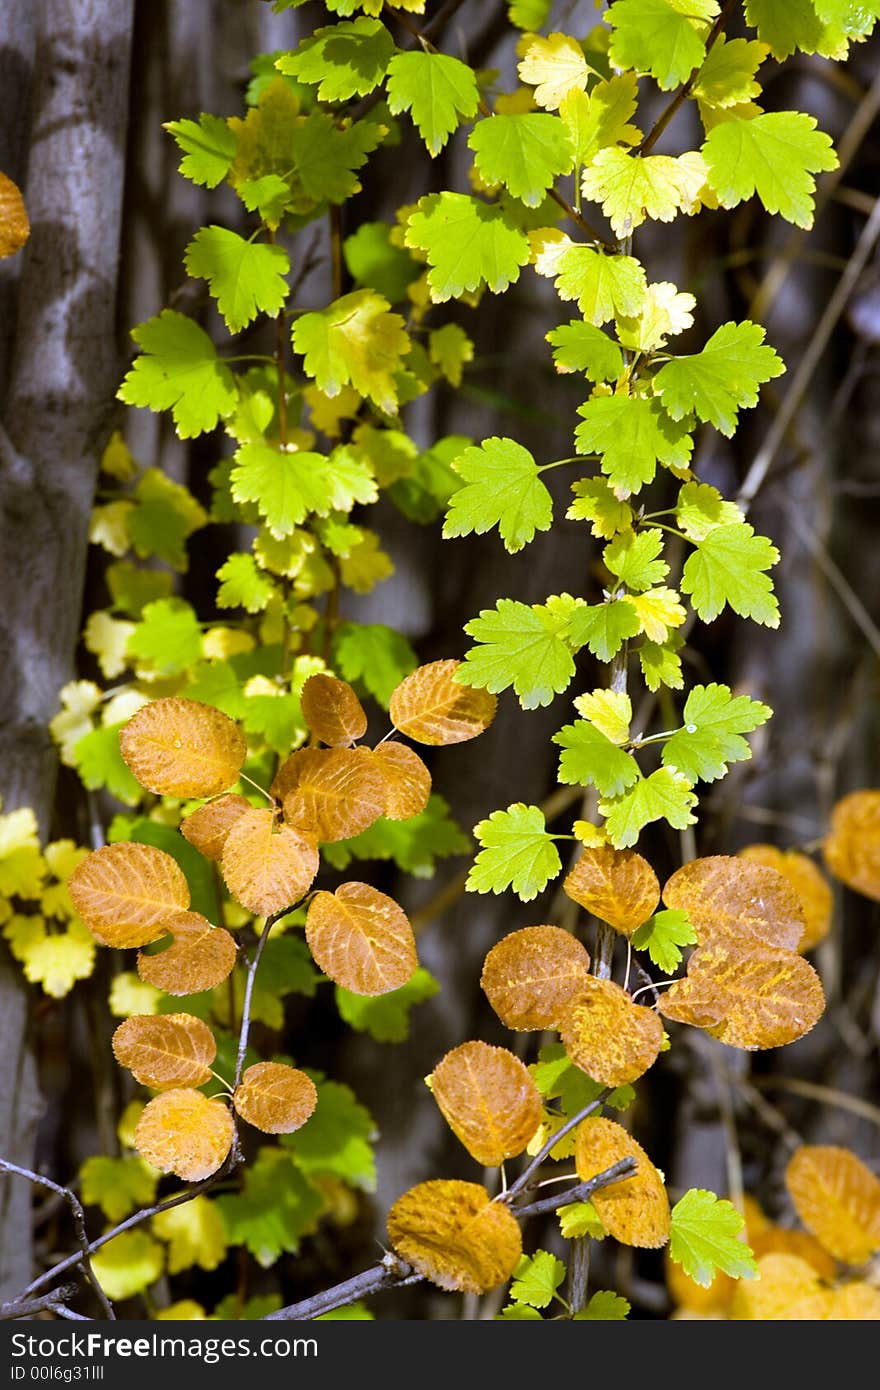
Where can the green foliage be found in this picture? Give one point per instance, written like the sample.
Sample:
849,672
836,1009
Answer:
716,382
277,1207
414,845
705,1238
468,244
208,147
663,936
631,434
604,1306
591,759
502,488
729,567
714,721
536,1279
774,155
665,795
662,37
387,1017
523,646
437,91
525,153
179,370
374,656
342,60
517,853
337,1140
118,1186
245,277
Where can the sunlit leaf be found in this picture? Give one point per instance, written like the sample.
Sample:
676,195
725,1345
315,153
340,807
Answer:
332,711
361,938
182,748
407,780
838,1198
811,888
612,1039
852,847
267,866
125,892
455,1235
617,885
431,707
488,1099
14,225
635,1210
331,793
275,1098
165,1051
183,1132
732,900
532,975
705,1238
207,828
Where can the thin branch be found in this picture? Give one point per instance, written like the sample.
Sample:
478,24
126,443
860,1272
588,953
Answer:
390,1273
579,220
517,1187
827,1095
623,1168
835,576
79,1225
249,994
48,1302
681,96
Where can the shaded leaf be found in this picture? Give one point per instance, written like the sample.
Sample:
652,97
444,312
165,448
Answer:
407,780
532,975
431,707
178,747
488,1099
617,885
207,828
199,957
332,711
634,1211
386,1017
267,867
184,1133
455,1235
838,1198
125,892
275,1098
361,938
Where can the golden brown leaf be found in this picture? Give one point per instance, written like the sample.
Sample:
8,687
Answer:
838,1198
852,847
165,1050
608,1036
780,1240
855,1302
735,900
532,975
810,887
14,225
332,711
489,1100
268,867
126,892
199,957
331,793
207,828
634,1211
787,1289
748,996
361,938
183,1132
431,707
180,747
455,1235
275,1098
407,780
617,885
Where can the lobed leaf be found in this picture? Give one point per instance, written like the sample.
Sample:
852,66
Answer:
518,852
704,1238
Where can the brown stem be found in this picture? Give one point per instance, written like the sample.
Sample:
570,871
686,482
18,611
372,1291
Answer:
684,91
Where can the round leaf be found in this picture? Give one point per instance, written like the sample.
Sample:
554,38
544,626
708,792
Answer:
728,899
838,1199
608,1036
331,793
852,848
617,885
14,225
164,1051
184,1133
431,707
332,711
267,867
455,1235
200,956
407,780
781,1240
207,828
180,747
809,884
634,1211
489,1100
532,975
361,939
126,892
275,1098
787,1289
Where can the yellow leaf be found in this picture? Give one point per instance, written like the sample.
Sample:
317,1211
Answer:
593,836
275,1098
331,793
667,312
266,866
729,899
207,828
194,1233
178,747
116,460
53,959
219,643
608,1036
407,780
532,975
128,1264
107,638
616,885
811,889
786,1289
361,938
632,188
332,710
184,1133
14,225
165,1051
610,711
636,1210
489,1100
554,66
120,708
79,700
125,892
185,1310
129,995
22,867
432,708
199,957
658,611
602,118
852,847
548,245
328,412
838,1198
453,1234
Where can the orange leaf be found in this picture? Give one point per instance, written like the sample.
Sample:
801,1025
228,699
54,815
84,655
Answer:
488,1099
407,780
856,1302
809,884
608,1036
183,1132
266,866
728,899
14,225
617,885
634,1211
532,975
126,892
779,1240
200,956
331,793
838,1199
162,1051
787,1289
332,711
431,707
852,847
180,747
747,996
361,938
455,1235
275,1098
207,828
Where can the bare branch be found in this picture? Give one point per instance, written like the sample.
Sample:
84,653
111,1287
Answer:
581,1192
554,1139
390,1273
53,1302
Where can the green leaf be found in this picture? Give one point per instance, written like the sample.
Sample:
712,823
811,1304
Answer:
557,1078
166,515
128,1264
100,764
580,1219
253,1309
269,197
243,584
665,795
179,370
631,434
529,14
774,155
701,509
503,489
287,487
337,1139
343,60
604,1306
132,587
727,77
729,566
632,187
591,759
118,1186
373,655
724,377
438,92
425,493
276,1209
661,664
855,17
714,720
217,683
414,845
666,38
208,147
786,25
633,558
595,502
581,347
601,117
325,155
703,1238
520,646
524,153
536,1279
168,637
356,341
518,853
245,277
603,627
605,287
663,935
519,1312
372,260
386,1016
468,244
